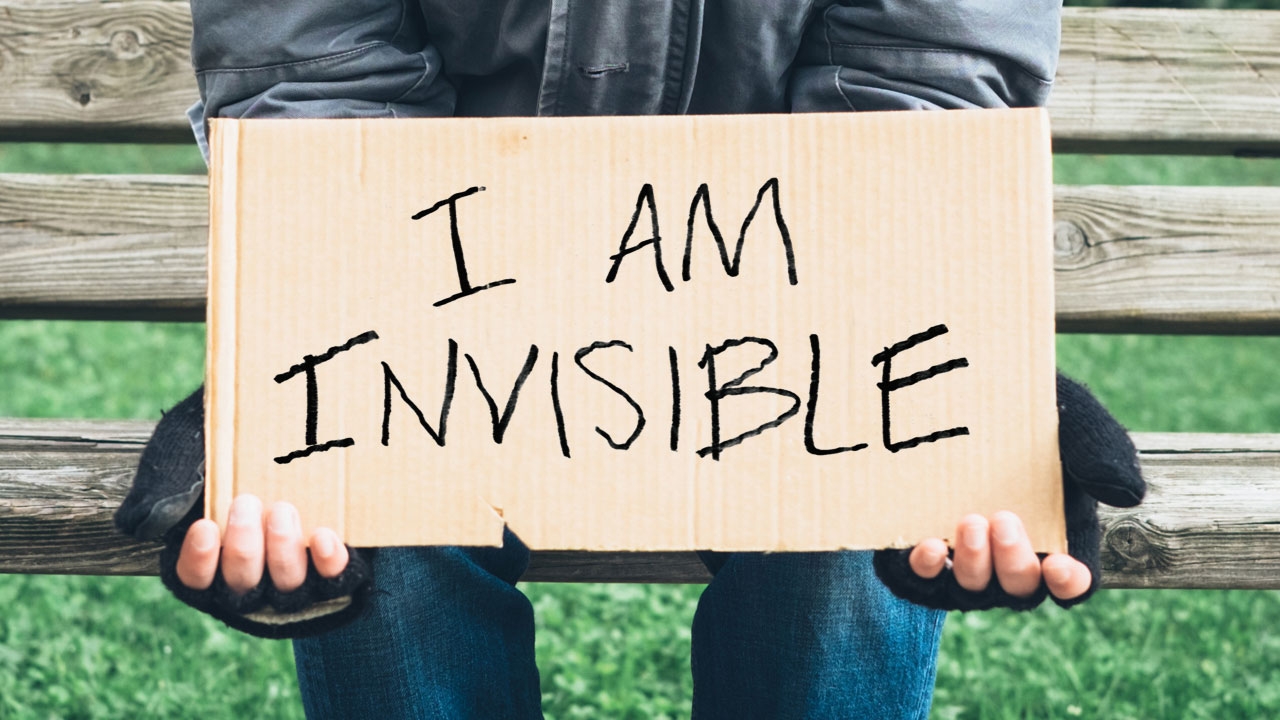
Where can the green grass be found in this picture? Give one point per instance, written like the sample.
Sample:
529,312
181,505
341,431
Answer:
85,647
1180,384
1147,170
93,647
87,158
97,369
1125,654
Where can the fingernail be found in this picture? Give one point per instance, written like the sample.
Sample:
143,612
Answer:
325,545
205,539
1057,574
284,519
245,510
974,536
1007,531
936,558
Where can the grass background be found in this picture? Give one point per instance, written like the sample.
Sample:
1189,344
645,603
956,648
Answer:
89,647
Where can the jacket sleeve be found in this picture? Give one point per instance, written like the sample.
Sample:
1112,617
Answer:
927,54
314,59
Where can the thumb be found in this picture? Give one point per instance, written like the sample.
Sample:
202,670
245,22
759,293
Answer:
1096,451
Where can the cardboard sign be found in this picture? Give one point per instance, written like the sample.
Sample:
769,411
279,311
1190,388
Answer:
740,333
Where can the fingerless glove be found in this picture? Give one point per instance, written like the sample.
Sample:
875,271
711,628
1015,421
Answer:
1099,463
167,498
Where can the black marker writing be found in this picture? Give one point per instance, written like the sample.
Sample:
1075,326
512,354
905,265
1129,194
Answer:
811,411
655,239
888,385
459,260
308,367
718,392
500,421
555,404
732,265
581,355
389,378
673,360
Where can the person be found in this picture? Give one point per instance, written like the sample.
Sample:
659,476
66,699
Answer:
444,631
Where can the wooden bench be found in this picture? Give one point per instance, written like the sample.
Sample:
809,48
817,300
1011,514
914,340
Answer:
1129,259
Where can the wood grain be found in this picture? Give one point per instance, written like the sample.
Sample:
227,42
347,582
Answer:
1167,259
60,482
91,71
1176,81
1129,80
1212,500
103,247
1129,259
1212,518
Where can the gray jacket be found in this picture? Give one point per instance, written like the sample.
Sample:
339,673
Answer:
415,58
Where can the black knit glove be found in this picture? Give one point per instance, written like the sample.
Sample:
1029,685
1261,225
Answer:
166,498
1099,462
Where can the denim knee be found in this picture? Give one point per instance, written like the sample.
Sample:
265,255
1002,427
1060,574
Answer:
810,635
446,634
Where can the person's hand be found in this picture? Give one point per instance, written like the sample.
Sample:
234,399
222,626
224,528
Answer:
993,564
253,545
260,577
997,549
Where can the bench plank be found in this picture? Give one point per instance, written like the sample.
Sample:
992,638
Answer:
1130,80
91,71
103,247
1211,520
1174,81
1155,259
1129,258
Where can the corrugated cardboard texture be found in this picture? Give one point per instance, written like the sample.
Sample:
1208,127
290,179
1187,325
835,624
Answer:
935,226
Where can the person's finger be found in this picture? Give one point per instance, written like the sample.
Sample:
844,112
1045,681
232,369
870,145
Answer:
242,545
198,559
286,550
1066,576
972,565
928,558
328,553
1017,566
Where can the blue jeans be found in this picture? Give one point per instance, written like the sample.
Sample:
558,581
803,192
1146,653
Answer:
786,635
